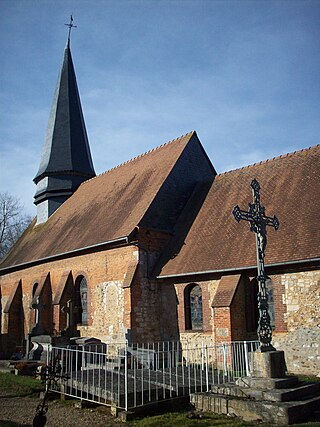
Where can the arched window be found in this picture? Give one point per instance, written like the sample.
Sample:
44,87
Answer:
81,300
34,289
35,314
193,308
252,312
269,289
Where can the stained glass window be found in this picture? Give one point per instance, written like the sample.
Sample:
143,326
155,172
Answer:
195,298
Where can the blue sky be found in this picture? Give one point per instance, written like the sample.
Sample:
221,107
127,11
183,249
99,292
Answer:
243,74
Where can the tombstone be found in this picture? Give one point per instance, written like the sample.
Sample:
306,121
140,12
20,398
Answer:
90,346
38,328
68,309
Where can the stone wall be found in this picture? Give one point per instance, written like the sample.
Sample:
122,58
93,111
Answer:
302,342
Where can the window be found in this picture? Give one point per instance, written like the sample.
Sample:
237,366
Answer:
269,290
34,306
252,312
34,289
193,308
81,300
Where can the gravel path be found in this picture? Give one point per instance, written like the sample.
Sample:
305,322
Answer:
21,410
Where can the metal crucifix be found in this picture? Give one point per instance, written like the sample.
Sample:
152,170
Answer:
258,224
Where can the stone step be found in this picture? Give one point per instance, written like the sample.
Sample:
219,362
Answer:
268,383
7,370
6,366
297,393
276,413
5,363
229,390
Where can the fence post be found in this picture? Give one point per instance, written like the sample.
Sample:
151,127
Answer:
48,367
126,377
246,357
202,356
207,371
224,360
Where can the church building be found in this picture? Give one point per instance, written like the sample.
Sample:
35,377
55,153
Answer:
149,251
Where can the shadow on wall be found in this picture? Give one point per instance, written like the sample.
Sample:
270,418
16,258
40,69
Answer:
12,340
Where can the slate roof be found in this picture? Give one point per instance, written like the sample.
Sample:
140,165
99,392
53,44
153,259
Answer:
290,189
103,208
66,147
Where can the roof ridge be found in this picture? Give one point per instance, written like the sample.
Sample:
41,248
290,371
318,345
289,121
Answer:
139,156
270,159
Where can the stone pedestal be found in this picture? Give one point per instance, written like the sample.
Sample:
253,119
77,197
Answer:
266,395
269,364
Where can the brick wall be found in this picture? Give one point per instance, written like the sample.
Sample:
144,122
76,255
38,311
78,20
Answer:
222,324
238,314
105,273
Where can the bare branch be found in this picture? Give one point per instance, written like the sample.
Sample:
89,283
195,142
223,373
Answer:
12,222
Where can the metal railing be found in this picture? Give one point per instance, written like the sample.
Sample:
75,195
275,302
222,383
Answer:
128,376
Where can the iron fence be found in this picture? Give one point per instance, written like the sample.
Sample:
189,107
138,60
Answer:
128,376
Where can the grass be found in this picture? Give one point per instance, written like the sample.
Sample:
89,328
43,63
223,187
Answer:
18,386
181,419
308,378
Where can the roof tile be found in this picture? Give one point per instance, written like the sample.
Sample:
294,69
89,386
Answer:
290,189
103,208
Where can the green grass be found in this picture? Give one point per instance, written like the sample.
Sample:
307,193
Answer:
180,419
308,378
17,386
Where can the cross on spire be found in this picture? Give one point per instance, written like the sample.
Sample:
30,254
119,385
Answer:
70,25
258,224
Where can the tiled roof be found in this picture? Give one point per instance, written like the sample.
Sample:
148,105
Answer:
103,208
290,189
226,290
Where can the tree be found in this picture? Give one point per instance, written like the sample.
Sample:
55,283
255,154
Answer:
13,222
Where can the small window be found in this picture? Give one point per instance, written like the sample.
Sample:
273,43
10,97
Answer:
34,289
269,290
252,311
35,306
81,300
193,308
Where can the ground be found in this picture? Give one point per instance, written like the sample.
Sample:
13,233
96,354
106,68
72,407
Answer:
19,411
19,398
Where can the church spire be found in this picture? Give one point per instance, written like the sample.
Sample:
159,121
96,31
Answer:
66,159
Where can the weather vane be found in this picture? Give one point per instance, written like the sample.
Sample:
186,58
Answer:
70,25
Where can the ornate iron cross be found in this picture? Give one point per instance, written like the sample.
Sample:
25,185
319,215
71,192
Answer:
258,224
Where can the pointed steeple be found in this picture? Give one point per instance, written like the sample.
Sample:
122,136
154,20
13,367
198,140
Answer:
66,159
